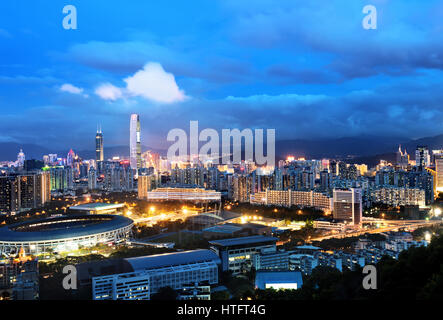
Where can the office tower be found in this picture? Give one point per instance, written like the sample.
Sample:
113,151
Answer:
99,154
118,178
343,170
422,157
24,191
8,194
439,170
333,168
241,188
32,165
308,180
21,159
70,158
92,179
59,178
402,157
348,205
325,180
144,186
52,158
134,142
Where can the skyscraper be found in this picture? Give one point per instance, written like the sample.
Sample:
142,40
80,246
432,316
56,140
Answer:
99,155
92,179
70,158
348,205
422,157
439,170
135,151
21,158
402,157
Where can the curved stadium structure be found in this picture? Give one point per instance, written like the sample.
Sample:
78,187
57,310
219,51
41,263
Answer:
65,233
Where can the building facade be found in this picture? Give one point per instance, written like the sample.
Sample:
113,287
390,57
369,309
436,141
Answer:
135,152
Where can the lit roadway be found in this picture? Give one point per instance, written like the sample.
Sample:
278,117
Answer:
172,216
389,225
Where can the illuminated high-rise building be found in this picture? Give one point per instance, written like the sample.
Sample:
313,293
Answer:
135,151
348,205
422,157
21,158
99,154
92,179
24,191
439,173
70,158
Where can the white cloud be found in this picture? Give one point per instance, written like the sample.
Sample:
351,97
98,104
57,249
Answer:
67,87
107,91
71,89
152,83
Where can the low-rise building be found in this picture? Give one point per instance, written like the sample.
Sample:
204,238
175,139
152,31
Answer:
145,276
278,280
237,254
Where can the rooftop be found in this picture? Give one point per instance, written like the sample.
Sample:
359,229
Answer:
97,206
62,227
308,247
277,277
243,240
172,259
226,228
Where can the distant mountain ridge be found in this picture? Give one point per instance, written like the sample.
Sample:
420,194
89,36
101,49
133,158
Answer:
353,149
9,151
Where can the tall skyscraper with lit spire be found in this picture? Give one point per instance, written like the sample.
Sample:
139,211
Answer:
21,158
135,152
99,155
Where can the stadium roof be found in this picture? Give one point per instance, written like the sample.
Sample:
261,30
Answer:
172,259
97,206
243,241
62,227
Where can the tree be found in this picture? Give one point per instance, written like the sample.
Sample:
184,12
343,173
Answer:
220,295
165,293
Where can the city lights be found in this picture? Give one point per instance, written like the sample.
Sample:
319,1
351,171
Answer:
219,151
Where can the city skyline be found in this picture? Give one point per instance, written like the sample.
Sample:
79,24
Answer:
221,151
230,68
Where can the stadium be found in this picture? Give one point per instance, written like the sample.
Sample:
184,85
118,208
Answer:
63,234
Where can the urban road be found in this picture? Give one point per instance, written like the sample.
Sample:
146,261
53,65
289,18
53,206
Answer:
389,225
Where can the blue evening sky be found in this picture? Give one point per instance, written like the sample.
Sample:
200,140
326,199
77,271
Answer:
306,68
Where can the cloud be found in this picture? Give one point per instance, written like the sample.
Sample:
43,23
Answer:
107,91
403,41
152,83
67,87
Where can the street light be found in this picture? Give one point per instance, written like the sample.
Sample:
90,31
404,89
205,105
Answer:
427,236
437,212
